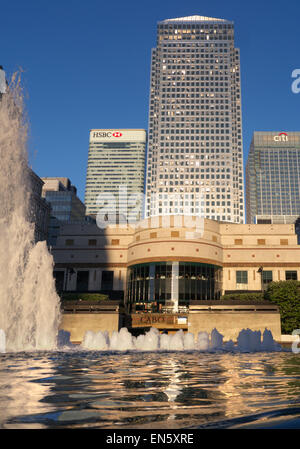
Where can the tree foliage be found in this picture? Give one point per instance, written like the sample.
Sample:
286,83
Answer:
84,297
253,297
286,295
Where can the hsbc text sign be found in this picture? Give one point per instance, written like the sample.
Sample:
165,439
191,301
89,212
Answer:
116,135
107,134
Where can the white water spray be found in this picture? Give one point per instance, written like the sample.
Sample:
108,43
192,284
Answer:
29,305
247,341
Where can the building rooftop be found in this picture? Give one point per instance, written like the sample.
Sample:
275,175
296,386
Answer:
195,18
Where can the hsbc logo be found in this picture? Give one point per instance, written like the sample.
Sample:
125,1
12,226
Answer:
107,134
282,137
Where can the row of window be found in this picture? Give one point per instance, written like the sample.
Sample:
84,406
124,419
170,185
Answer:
267,276
261,241
82,280
93,242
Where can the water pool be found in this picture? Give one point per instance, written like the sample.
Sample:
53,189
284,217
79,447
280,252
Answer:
161,390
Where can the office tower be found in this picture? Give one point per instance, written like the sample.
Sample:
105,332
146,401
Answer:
195,157
39,212
272,178
115,174
65,205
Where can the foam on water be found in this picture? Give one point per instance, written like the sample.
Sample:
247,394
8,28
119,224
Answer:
247,341
29,305
202,341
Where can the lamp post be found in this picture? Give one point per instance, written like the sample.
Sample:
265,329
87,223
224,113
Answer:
260,270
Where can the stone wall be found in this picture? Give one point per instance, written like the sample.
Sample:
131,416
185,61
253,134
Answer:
229,324
78,323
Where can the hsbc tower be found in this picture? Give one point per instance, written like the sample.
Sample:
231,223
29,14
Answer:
115,174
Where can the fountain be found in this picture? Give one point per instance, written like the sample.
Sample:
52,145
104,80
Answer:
247,341
29,305
2,341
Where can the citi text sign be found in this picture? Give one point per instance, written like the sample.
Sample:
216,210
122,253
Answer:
282,137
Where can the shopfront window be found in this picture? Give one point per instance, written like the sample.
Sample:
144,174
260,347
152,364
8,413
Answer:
151,287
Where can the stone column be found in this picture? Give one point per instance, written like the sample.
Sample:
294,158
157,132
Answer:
175,285
151,281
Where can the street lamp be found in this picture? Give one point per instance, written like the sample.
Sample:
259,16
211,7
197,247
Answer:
260,270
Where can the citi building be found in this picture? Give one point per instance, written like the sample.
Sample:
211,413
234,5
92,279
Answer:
273,178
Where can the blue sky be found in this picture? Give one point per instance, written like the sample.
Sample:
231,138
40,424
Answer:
86,65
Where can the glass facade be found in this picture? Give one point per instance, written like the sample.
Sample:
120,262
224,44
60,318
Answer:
65,205
115,173
195,152
272,178
155,286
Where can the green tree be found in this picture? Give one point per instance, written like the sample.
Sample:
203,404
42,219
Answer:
286,295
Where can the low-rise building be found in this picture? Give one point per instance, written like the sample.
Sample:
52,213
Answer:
179,266
161,260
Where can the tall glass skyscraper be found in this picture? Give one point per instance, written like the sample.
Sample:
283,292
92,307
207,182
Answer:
195,156
273,178
115,174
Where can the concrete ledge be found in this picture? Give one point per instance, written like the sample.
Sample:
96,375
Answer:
78,323
229,324
290,338
228,306
91,306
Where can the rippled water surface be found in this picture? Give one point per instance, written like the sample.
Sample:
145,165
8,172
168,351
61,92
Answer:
77,389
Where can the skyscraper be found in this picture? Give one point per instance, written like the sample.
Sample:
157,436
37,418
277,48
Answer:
39,208
272,178
195,157
115,173
65,205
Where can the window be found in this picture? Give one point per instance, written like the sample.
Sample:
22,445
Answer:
291,276
107,280
92,242
153,235
261,241
69,242
284,242
238,241
267,276
82,281
242,277
174,233
115,242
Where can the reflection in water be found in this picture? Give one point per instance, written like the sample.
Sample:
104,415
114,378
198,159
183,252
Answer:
173,389
143,390
18,394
